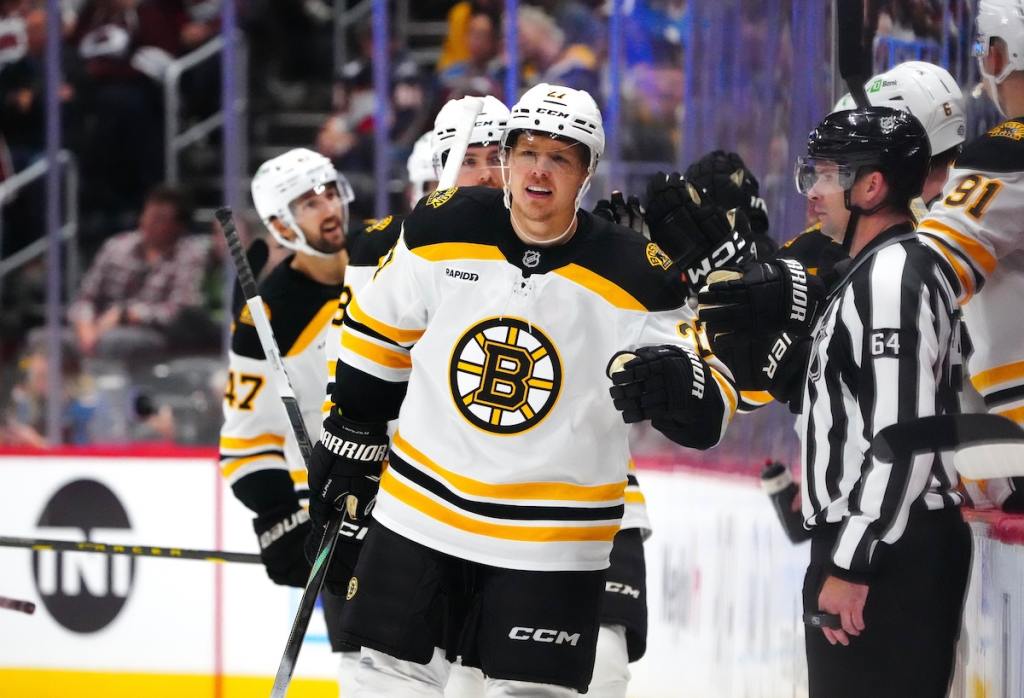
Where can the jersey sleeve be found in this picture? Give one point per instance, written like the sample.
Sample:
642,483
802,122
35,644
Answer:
977,221
899,331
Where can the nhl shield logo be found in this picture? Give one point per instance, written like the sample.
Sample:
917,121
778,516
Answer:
531,258
505,375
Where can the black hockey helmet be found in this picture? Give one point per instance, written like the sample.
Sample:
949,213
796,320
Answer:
727,180
888,140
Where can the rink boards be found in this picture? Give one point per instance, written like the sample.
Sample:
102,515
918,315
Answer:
723,587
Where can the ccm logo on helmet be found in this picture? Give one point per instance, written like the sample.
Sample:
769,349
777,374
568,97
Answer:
558,637
552,112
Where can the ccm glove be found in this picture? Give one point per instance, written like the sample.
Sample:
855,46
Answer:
761,298
345,467
695,233
627,212
673,387
281,533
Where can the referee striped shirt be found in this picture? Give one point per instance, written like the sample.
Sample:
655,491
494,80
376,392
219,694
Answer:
884,351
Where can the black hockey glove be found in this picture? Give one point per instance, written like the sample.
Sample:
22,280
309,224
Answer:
774,363
672,387
346,553
726,180
762,298
345,467
282,534
627,212
696,234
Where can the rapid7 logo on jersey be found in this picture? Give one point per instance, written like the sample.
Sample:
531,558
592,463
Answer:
505,375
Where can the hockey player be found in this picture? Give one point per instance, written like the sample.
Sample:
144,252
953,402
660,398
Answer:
977,226
495,517
303,202
890,553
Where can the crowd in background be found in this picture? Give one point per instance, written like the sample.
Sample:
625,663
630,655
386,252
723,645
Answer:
148,315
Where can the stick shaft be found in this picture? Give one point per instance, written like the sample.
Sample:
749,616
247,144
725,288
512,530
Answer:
472,106
131,550
17,605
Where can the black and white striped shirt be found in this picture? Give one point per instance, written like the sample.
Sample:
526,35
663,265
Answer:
884,352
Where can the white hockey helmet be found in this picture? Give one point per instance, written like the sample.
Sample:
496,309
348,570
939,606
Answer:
281,180
561,112
1000,19
487,129
925,90
421,168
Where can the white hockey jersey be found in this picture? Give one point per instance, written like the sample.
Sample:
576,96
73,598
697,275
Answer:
978,226
306,319
509,451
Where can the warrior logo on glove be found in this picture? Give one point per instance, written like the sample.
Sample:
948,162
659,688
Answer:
505,375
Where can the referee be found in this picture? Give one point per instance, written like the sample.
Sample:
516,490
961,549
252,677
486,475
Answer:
890,553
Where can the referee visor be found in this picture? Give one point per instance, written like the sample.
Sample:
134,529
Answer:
825,176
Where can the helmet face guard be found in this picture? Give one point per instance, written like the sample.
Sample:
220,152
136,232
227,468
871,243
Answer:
827,176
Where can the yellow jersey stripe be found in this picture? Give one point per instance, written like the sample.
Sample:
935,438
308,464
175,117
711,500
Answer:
554,491
232,466
533,534
240,442
757,397
326,406
996,376
975,251
609,290
446,251
730,392
310,331
1016,414
332,368
965,277
375,352
395,334
299,477
635,497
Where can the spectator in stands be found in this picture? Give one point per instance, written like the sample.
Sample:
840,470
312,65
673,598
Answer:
143,295
24,419
124,47
475,74
456,44
653,98
547,56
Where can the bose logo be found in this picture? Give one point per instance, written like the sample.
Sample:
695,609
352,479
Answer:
552,112
350,449
798,311
725,253
461,275
776,353
559,637
282,527
620,588
697,389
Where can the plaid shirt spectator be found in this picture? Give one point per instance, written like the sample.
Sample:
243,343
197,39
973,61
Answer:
153,292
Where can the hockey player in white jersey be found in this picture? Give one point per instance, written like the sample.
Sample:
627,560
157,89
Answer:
303,202
487,330
978,226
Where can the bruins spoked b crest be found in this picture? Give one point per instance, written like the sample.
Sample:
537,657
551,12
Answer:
505,375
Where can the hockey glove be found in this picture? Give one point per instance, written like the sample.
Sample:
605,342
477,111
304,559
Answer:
346,553
672,387
282,534
345,467
696,234
762,298
726,180
627,212
773,363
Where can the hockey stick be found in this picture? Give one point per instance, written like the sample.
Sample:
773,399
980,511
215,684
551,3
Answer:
471,106
985,445
850,39
279,376
132,550
17,605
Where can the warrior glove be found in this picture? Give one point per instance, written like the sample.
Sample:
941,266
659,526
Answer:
345,468
673,388
761,298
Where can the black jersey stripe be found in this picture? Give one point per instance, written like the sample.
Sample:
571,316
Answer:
502,511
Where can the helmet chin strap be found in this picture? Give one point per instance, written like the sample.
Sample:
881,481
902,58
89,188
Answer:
855,213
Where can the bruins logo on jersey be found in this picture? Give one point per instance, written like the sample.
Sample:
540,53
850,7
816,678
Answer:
379,225
245,316
657,258
440,198
505,375
1009,129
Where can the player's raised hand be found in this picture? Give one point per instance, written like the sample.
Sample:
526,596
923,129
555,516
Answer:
624,211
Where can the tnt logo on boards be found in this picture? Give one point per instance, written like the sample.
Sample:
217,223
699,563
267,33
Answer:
84,592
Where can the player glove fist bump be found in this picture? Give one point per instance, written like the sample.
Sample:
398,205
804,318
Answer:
344,475
673,388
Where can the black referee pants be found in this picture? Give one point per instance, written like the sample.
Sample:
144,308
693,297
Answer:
912,615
